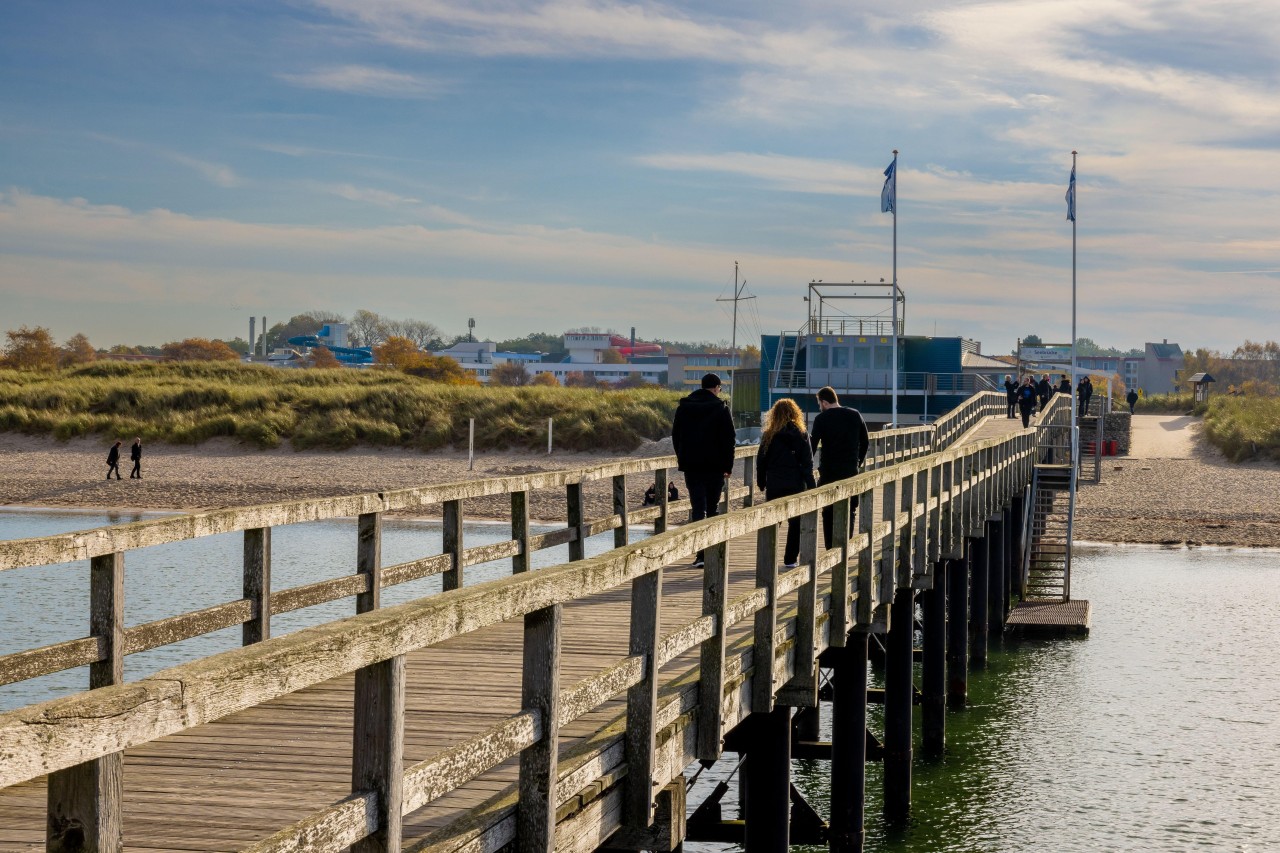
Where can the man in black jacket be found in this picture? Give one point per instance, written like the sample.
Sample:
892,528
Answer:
841,434
703,435
1044,391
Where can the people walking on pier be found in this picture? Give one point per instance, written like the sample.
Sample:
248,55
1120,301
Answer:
1011,395
704,438
1064,385
1084,393
784,465
113,460
1027,394
1044,391
841,434
1132,399
135,453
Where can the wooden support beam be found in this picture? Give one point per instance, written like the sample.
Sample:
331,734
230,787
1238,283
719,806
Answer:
522,561
898,689
957,632
766,625
622,531
841,614
642,702
540,693
767,781
377,754
868,595
934,665
84,801
576,513
369,560
660,483
849,746
454,543
715,599
979,579
802,690
257,584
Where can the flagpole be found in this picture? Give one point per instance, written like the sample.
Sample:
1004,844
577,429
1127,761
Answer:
894,372
1075,441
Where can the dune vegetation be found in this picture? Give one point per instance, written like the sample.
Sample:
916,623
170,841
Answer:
1244,427
191,402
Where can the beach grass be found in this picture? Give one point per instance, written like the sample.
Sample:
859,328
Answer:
1244,427
191,402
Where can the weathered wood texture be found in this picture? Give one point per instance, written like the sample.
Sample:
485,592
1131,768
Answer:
255,736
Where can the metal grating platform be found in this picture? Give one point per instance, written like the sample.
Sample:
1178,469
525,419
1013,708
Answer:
1049,619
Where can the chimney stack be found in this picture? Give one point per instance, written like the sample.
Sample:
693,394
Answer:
253,341
264,336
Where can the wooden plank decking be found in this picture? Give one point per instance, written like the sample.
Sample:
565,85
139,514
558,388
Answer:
228,784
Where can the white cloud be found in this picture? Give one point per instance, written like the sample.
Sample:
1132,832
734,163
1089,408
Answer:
215,173
366,80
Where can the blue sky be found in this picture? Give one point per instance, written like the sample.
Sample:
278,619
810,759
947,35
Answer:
168,169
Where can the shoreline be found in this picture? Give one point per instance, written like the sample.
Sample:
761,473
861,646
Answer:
1193,497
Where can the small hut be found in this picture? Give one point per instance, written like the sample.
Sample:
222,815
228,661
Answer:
1199,383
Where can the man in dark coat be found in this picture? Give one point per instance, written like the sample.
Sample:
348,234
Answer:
1132,399
113,460
704,438
135,453
1044,391
1011,395
1026,400
841,434
1084,393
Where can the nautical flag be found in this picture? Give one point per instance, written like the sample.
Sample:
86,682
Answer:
889,195
1071,196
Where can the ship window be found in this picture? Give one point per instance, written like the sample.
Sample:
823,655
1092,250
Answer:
882,358
862,358
818,357
839,356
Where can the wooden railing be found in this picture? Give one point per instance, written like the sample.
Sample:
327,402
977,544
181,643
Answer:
913,514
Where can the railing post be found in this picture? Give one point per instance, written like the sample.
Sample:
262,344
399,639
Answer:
257,584
84,801
749,480
802,690
453,543
715,599
660,484
840,575
540,692
906,533
620,533
576,515
867,593
523,561
642,700
377,754
763,649
369,560
888,549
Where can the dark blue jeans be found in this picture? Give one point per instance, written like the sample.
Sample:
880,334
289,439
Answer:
705,489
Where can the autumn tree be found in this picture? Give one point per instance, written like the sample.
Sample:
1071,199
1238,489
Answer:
397,353
322,357
547,379
425,335
511,373
579,379
77,350
368,328
632,380
30,349
198,349
749,357
611,356
441,368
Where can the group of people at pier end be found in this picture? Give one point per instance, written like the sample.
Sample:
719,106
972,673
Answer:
704,439
1031,396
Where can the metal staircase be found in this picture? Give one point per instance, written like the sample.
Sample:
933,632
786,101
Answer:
1046,563
785,365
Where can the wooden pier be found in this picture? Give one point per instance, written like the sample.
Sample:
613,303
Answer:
553,709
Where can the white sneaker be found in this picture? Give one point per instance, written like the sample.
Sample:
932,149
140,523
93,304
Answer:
698,564
790,565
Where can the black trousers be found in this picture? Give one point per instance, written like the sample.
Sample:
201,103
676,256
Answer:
791,550
1026,414
137,469
113,466
829,514
1012,402
705,489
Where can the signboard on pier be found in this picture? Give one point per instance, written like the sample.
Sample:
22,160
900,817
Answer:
1046,355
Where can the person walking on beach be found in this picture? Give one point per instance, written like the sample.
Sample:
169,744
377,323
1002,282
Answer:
1011,395
841,434
1132,399
1084,393
1044,391
1027,394
784,466
704,438
135,453
113,460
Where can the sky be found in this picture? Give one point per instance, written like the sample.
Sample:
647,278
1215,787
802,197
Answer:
169,169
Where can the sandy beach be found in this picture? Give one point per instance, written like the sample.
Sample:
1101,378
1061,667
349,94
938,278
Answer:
1171,489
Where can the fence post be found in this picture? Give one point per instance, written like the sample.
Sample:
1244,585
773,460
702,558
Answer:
84,801
576,516
620,533
523,561
762,653
802,690
257,584
377,749
548,436
540,692
840,574
660,485
715,600
369,560
867,593
749,480
642,701
453,542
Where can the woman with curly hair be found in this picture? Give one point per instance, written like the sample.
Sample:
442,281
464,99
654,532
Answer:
784,465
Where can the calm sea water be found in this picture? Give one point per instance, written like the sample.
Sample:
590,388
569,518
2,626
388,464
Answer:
50,604
1159,732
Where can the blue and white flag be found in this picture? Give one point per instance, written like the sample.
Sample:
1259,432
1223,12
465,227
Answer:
1071,196
889,195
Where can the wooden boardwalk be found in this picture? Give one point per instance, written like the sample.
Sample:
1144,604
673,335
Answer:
225,785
